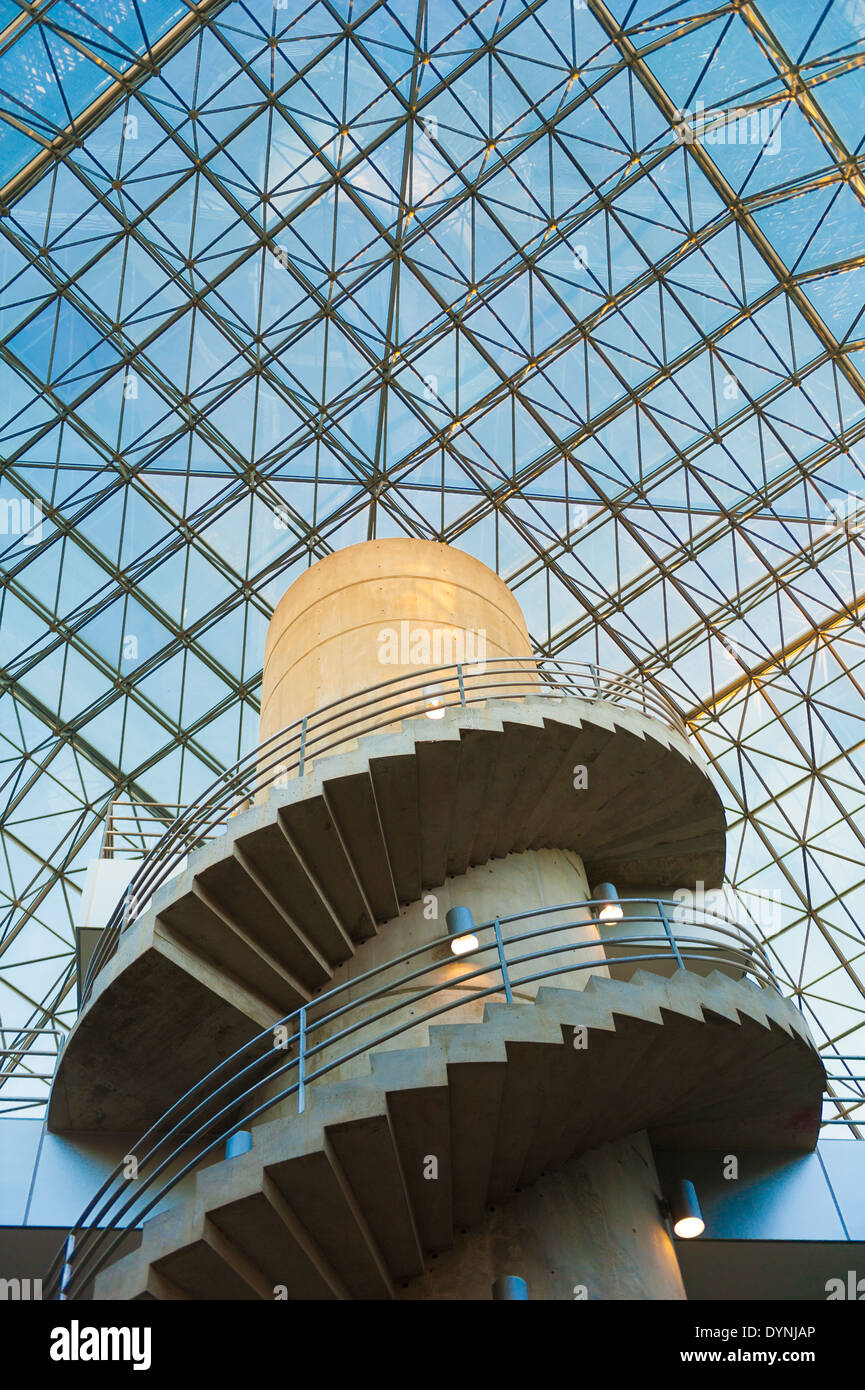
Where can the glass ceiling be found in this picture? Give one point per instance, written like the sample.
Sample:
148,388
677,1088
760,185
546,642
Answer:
575,287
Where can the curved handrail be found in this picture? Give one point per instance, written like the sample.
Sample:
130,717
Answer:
246,1085
290,750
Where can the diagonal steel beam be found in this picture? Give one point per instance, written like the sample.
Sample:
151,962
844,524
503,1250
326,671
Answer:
98,110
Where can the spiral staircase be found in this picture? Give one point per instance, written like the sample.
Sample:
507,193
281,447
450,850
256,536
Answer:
330,1103
261,917
334,1203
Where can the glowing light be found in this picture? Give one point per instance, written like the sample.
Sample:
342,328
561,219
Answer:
687,1227
461,931
462,945
684,1210
609,909
434,702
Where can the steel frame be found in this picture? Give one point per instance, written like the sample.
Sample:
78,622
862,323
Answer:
692,545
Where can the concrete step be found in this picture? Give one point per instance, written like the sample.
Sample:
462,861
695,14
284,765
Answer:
263,1222
507,784
317,1190
273,855
348,1197
519,1114
438,768
395,788
544,755
213,1267
478,751
502,780
595,815
351,802
582,749
572,1111
209,925
317,839
370,1158
420,1117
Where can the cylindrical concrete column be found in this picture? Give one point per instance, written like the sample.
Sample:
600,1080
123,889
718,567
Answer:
591,1231
380,610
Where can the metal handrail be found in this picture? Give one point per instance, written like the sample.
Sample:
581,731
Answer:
20,1055
290,750
849,1106
243,1087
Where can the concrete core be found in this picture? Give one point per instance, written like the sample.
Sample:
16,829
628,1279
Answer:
379,610
590,1231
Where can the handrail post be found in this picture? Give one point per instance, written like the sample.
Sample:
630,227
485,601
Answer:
302,744
462,683
503,965
130,910
107,850
596,678
66,1271
301,1062
674,945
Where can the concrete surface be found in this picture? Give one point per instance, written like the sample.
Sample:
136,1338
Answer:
591,1231
338,626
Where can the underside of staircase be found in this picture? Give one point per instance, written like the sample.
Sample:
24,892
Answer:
263,916
337,1202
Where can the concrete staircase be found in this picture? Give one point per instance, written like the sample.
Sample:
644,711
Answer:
336,1202
262,916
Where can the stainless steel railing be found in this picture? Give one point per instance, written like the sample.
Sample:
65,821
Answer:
132,827
18,1069
430,691
845,1086
422,985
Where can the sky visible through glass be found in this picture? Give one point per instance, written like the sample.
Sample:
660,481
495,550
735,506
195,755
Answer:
575,287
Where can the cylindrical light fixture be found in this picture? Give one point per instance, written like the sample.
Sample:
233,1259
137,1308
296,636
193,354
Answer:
510,1288
240,1142
608,908
461,930
685,1210
434,702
